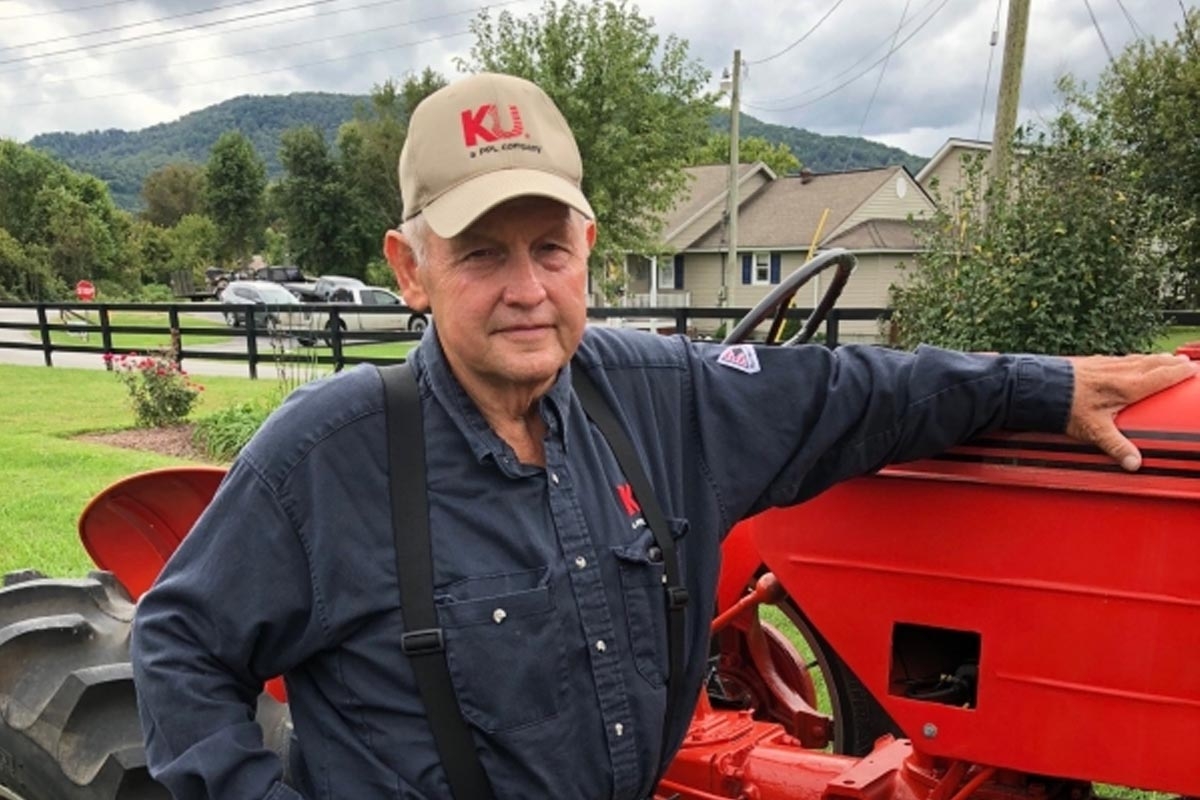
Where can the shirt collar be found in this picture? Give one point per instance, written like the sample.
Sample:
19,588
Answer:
431,365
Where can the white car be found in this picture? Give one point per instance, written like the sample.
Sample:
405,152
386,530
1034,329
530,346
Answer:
397,317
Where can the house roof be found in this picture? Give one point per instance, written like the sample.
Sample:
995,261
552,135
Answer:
785,213
877,234
945,150
707,185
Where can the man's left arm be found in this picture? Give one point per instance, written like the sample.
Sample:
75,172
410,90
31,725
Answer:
805,418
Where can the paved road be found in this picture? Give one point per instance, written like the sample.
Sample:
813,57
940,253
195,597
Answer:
236,344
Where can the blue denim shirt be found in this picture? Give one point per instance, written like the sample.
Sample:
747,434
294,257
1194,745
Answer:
551,603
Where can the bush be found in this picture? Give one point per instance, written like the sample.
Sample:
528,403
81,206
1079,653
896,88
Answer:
223,434
155,293
159,390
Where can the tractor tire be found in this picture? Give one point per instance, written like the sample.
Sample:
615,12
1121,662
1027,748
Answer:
858,718
69,726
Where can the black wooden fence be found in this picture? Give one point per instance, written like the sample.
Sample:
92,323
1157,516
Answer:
271,344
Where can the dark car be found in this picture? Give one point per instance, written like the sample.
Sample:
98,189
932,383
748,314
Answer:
289,277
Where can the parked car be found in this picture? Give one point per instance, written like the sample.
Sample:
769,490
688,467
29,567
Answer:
263,293
327,284
349,320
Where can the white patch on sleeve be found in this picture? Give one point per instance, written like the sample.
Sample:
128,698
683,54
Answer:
741,357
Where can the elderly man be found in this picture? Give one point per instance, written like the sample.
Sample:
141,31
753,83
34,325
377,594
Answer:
552,626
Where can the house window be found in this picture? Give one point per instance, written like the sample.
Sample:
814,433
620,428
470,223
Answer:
762,268
666,274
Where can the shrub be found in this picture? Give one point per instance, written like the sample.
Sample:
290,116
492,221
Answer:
223,434
159,390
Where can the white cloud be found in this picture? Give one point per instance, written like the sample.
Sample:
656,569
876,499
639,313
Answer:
932,88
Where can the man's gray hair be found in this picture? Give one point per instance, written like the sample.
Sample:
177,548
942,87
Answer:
417,232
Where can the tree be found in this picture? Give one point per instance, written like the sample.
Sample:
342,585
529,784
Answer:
23,275
778,157
326,231
1150,94
635,102
193,244
172,192
236,179
369,149
1064,260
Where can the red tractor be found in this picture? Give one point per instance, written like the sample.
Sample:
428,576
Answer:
1017,619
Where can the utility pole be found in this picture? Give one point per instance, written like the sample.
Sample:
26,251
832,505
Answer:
1009,96
731,267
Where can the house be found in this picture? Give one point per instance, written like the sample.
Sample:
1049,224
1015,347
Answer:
780,219
945,172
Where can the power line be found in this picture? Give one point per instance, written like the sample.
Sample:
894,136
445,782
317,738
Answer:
1137,31
846,71
874,92
68,10
177,86
141,36
128,25
806,34
846,83
987,78
243,53
238,29
1099,32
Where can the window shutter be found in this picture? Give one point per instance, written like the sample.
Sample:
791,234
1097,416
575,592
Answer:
747,266
775,259
679,270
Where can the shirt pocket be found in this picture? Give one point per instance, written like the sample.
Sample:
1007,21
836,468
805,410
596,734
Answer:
642,572
504,648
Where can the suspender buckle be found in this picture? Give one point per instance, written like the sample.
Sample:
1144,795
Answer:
677,598
423,642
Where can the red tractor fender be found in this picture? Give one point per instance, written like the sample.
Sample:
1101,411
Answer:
133,526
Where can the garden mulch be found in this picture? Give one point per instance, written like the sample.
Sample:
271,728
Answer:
175,440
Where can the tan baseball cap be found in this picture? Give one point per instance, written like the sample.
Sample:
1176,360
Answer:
483,140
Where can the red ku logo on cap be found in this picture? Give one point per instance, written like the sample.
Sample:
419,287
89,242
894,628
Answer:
475,130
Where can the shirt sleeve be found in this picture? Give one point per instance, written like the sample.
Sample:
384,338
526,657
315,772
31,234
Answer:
231,609
836,414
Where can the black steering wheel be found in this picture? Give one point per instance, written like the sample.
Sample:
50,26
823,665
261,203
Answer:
781,296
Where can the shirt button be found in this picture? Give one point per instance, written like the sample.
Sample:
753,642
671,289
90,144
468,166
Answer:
620,729
655,554
498,615
601,646
554,478
580,562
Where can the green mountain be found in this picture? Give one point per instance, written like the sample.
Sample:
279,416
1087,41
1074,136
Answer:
123,159
822,153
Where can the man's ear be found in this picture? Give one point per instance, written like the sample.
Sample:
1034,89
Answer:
590,231
404,266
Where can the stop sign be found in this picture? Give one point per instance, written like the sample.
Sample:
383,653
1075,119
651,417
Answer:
85,290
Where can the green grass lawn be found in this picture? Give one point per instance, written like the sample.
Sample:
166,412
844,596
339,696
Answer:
49,478
136,341
1175,337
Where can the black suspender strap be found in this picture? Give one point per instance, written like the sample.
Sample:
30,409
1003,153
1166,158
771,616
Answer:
423,641
601,413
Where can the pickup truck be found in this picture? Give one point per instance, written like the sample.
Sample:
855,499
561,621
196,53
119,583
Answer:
398,317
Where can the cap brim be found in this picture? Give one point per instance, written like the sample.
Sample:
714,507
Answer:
454,211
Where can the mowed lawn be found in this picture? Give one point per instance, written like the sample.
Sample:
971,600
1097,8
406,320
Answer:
159,338
49,477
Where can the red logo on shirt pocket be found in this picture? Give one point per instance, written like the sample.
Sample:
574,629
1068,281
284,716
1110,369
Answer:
625,493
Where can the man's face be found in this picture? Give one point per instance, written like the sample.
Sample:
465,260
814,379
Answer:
508,294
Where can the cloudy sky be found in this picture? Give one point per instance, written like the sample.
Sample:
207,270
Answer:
79,65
